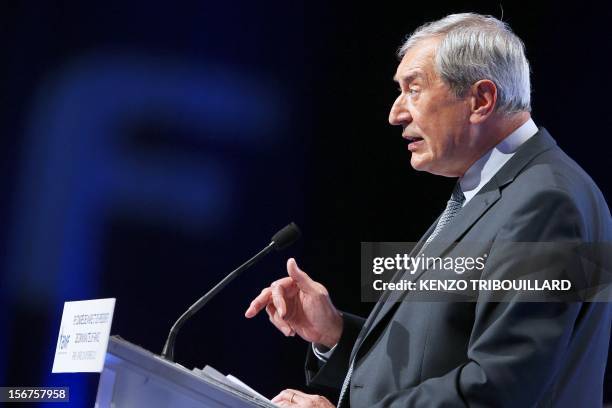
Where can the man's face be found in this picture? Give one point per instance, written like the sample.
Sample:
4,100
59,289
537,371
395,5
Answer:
434,120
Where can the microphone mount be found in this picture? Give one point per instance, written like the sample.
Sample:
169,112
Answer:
280,240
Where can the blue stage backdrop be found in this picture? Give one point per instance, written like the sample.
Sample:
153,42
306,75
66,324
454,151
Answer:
148,148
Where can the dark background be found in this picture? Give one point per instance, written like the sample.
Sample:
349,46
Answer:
149,148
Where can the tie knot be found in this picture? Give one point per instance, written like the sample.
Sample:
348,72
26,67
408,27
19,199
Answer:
452,208
457,194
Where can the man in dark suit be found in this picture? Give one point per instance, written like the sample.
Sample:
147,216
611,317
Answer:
464,106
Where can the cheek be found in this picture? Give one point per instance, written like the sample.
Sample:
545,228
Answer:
436,119
443,133
428,120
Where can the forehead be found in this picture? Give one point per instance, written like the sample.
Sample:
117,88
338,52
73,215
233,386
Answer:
418,61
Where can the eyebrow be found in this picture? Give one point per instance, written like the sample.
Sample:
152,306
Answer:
409,77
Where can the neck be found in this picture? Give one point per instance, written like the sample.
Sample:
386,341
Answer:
492,132
502,126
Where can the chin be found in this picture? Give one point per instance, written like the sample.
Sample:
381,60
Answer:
426,166
417,168
419,164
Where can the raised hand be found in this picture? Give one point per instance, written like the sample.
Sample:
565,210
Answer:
298,304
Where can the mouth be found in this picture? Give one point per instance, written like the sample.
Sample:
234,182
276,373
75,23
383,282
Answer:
414,142
412,139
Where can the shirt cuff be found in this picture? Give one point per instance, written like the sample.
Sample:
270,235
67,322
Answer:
321,353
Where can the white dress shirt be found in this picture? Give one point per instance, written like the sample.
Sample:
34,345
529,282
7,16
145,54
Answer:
485,168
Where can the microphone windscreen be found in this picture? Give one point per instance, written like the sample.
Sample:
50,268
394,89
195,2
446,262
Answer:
286,236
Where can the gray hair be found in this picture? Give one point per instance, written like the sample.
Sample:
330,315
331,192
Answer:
476,47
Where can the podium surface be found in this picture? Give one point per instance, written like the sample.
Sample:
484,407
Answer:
135,377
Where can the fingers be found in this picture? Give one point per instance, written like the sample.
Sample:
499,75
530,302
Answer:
282,288
258,303
265,297
295,398
301,278
266,300
290,396
278,322
279,300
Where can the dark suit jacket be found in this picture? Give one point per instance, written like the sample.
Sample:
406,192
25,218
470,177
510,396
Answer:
485,353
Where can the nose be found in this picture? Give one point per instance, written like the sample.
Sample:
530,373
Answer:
399,114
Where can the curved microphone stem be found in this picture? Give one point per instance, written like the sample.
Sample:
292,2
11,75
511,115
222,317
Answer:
168,351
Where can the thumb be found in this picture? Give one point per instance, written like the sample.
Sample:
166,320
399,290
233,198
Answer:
301,278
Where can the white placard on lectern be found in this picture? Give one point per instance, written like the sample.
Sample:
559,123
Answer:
83,336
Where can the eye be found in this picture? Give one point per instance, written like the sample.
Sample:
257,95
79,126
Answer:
410,91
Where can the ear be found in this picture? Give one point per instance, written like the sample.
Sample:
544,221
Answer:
483,99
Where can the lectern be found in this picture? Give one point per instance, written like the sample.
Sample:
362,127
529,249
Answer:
135,377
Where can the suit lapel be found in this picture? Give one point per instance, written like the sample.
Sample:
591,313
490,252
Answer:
467,217
463,221
382,302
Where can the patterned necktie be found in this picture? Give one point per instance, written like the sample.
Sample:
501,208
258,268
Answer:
345,384
452,208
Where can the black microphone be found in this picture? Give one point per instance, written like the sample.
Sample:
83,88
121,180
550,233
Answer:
286,236
282,239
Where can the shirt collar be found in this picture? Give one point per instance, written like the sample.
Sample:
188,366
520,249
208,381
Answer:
485,168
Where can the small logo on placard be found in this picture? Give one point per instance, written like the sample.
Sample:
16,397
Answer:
64,339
